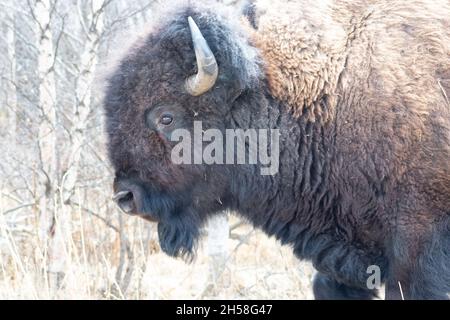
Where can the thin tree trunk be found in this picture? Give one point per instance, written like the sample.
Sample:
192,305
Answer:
47,137
81,111
217,242
10,89
84,82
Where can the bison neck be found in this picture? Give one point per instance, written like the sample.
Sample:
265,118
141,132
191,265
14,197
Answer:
299,197
301,205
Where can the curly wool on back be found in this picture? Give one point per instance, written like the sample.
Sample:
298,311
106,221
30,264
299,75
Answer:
304,52
308,46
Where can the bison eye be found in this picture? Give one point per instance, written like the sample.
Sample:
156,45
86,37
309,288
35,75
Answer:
166,119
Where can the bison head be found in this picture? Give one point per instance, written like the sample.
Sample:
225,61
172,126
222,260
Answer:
194,65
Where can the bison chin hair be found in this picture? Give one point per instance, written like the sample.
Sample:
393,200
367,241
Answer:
179,221
178,237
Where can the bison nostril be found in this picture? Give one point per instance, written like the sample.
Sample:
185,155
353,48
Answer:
125,201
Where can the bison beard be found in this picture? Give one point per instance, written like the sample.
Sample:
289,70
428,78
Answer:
178,225
177,238
364,176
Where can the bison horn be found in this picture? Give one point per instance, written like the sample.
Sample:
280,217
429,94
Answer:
207,67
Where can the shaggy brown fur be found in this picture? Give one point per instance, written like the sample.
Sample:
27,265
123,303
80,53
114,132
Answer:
392,59
359,91
388,46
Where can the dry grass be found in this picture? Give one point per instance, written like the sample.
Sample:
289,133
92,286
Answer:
258,268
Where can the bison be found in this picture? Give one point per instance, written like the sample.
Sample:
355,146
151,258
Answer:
359,91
